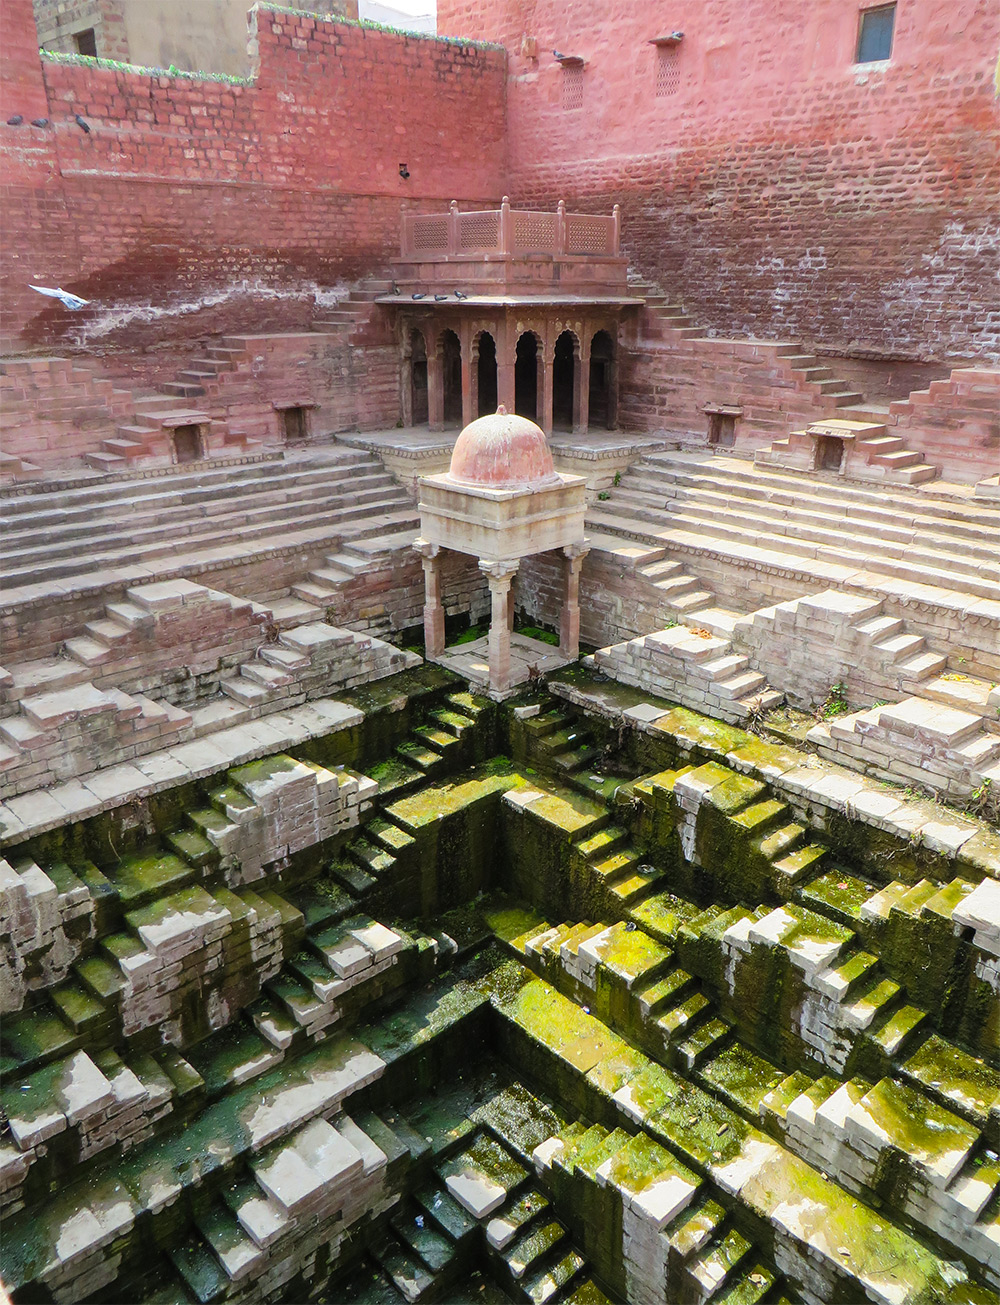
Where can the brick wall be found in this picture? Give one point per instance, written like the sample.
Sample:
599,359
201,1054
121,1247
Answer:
776,187
186,188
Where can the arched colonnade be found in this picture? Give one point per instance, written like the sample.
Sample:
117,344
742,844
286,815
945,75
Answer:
560,372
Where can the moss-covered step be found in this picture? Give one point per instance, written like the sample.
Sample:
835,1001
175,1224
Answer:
830,1244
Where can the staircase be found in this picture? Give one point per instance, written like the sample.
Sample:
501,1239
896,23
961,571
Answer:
812,380
162,521
696,501
693,667
147,439
354,310
860,451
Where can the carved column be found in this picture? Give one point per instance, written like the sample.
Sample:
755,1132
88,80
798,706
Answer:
406,381
547,358
435,388
433,607
569,617
499,575
506,350
581,408
468,402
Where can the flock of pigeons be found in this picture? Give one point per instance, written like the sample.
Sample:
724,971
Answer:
459,294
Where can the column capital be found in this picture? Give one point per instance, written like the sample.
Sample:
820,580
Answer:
498,573
426,549
573,552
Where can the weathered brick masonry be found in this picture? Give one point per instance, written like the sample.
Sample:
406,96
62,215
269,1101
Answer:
185,188
768,182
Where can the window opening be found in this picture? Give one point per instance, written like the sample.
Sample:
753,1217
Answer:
451,377
526,377
564,381
86,42
602,354
419,414
668,72
829,453
875,34
572,87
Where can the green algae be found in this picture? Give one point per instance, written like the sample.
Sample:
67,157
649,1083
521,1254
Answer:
743,1077
437,803
966,1082
512,922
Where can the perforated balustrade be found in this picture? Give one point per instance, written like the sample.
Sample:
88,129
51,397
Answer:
509,231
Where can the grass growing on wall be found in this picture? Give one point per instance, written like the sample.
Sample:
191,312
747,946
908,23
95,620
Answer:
115,65
379,27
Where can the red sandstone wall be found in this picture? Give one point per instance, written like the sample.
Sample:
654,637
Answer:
186,189
779,188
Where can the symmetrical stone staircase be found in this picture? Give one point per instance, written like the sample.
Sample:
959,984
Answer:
694,667
117,692
693,501
353,311
863,451
246,1078
941,729
51,406
918,741
71,531
808,385
146,439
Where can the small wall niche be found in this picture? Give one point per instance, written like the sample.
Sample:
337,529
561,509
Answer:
187,443
830,451
296,425
722,424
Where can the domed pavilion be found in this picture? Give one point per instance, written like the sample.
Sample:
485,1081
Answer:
502,500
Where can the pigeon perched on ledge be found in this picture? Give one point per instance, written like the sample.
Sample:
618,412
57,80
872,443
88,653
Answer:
70,301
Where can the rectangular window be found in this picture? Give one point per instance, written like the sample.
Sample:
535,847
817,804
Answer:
572,87
86,42
875,34
668,73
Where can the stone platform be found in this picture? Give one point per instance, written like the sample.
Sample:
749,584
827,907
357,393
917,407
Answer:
529,659
416,451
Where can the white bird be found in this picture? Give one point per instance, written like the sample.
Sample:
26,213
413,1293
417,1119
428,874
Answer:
70,301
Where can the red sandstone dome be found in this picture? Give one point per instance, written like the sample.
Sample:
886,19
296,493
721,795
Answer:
503,451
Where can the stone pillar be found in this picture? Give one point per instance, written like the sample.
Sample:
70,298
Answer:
433,607
406,385
506,349
548,362
581,408
435,389
569,617
499,575
468,400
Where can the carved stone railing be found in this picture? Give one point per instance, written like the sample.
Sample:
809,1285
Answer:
507,231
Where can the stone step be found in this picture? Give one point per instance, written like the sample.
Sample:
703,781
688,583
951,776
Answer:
694,534
734,478
352,522
84,524
734,523
217,482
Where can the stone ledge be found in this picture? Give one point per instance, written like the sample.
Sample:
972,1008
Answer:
35,813
801,777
